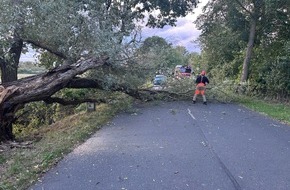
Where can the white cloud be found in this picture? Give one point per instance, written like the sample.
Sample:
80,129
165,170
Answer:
30,56
184,33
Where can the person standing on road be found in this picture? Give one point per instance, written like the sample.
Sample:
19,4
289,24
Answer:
201,82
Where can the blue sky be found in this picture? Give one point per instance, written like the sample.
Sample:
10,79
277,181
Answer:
183,34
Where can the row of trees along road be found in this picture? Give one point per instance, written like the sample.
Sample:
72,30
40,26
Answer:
248,41
81,36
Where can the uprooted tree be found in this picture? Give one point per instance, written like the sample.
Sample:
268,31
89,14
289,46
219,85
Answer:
83,35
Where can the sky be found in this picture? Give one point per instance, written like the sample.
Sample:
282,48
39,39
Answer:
183,34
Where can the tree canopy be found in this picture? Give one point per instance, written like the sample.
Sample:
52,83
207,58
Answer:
249,41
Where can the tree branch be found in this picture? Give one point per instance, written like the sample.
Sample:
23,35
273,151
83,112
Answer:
136,93
72,102
242,6
95,83
44,46
43,86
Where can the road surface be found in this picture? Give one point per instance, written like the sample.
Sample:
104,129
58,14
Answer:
179,145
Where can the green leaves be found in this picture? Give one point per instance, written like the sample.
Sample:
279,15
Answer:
225,29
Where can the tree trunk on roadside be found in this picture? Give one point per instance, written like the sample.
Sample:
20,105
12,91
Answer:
9,71
255,14
250,46
9,66
6,118
13,95
6,133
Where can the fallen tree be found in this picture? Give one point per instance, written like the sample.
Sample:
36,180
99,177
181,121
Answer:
70,30
13,95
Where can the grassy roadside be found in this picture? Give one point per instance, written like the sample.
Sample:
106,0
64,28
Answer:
277,111
20,167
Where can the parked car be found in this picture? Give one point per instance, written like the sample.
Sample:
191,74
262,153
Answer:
159,82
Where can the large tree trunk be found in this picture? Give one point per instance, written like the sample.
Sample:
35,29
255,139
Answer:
8,71
9,66
7,111
6,133
258,6
36,88
250,46
7,118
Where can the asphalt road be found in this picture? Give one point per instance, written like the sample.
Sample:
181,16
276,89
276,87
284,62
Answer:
179,145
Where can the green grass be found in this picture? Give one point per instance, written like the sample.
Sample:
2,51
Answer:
30,68
278,111
24,75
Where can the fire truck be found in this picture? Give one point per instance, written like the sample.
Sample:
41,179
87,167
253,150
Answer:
181,71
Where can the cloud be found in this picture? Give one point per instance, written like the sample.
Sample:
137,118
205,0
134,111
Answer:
30,56
183,34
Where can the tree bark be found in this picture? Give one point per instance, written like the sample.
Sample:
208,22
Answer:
250,46
258,6
9,71
6,131
36,88
9,66
94,83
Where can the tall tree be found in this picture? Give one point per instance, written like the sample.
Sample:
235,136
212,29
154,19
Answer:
261,27
224,33
159,56
254,9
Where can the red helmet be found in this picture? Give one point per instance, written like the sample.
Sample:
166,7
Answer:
202,73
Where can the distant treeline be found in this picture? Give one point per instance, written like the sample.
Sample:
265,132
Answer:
30,68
